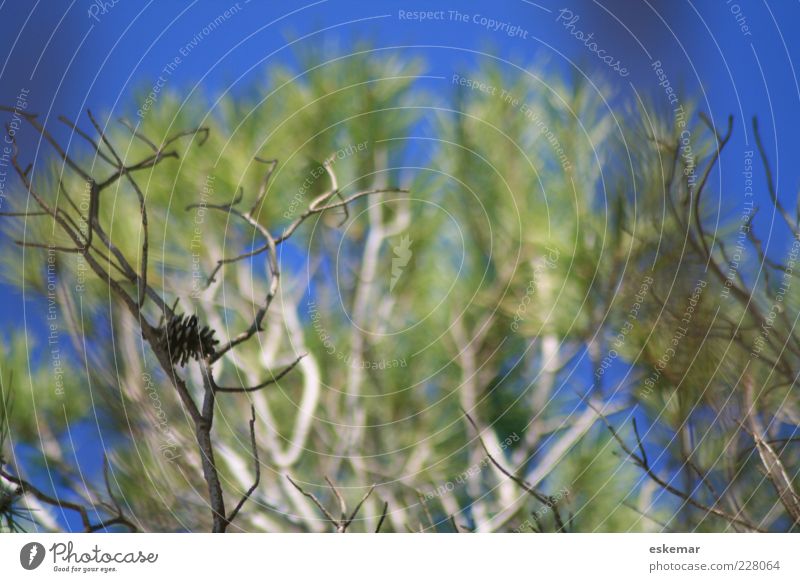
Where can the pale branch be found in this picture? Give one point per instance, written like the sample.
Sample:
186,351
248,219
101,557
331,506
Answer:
427,513
315,208
272,290
257,325
264,186
293,226
328,165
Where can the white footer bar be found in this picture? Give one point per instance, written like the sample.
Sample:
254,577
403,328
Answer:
406,557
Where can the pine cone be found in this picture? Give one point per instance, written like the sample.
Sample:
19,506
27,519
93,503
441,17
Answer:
184,340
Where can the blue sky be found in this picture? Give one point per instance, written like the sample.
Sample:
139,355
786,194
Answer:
74,55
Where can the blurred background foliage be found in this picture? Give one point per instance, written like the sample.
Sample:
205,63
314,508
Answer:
534,213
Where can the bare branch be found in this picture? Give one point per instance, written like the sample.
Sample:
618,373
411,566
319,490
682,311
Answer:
532,491
317,206
640,462
31,118
257,464
339,498
343,522
721,143
771,189
264,384
142,279
383,517
141,137
358,506
89,139
316,501
28,488
776,472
